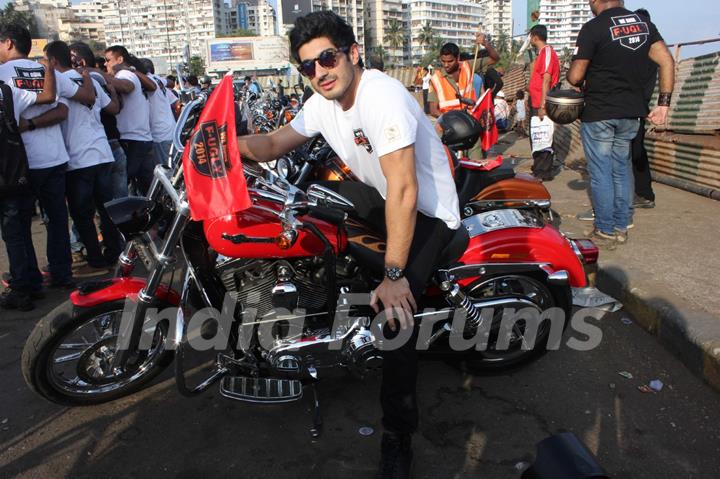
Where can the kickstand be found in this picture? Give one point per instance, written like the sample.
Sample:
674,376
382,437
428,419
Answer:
316,428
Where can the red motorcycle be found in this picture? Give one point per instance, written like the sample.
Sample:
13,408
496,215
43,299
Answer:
279,275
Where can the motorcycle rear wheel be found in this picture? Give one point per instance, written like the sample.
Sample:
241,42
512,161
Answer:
67,357
531,288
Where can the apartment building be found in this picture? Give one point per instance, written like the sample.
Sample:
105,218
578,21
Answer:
89,11
383,18
160,30
498,17
454,21
563,18
47,13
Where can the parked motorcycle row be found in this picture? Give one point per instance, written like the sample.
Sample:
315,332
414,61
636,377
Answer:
292,259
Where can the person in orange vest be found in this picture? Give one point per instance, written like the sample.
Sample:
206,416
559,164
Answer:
455,81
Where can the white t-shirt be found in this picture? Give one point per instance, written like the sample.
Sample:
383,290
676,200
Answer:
45,147
426,81
162,120
22,100
520,109
385,118
84,134
133,121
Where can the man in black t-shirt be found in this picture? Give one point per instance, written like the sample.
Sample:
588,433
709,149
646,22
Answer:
612,59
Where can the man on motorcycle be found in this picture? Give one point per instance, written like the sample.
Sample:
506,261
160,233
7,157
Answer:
407,192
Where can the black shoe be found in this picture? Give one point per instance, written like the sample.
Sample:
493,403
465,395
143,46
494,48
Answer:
12,299
641,202
65,284
395,456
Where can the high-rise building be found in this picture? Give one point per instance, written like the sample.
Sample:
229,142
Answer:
89,11
160,29
498,17
454,21
262,18
48,14
385,27
563,19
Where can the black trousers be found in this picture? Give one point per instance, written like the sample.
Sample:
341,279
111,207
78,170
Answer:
641,165
398,395
426,105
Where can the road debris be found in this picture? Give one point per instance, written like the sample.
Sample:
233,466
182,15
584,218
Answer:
656,385
625,374
645,389
366,431
626,321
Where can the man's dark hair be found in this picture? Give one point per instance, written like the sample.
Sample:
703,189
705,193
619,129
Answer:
375,61
171,78
119,50
539,31
100,62
324,23
85,53
450,49
520,95
192,80
19,35
60,51
248,78
148,64
644,13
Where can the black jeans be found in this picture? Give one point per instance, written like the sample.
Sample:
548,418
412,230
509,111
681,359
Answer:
426,105
15,223
48,185
88,189
641,165
398,395
140,163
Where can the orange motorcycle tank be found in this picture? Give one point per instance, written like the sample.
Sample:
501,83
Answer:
522,187
254,233
334,169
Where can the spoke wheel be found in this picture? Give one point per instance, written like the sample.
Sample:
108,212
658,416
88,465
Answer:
534,293
69,356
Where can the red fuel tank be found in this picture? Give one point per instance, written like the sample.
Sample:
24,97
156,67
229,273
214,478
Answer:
252,234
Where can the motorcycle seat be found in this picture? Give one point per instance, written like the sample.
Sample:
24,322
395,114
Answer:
455,248
470,182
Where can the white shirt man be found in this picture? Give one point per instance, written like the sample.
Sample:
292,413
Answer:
162,120
369,130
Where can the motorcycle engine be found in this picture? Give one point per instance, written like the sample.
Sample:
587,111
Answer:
266,285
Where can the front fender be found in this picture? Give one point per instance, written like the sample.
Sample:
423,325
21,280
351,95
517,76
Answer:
118,288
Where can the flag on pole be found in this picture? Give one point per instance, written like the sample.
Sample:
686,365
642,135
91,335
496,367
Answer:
484,112
212,167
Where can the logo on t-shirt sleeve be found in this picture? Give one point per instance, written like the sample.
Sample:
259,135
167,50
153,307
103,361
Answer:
31,79
362,140
630,31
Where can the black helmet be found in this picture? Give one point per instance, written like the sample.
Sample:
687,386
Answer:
564,106
460,130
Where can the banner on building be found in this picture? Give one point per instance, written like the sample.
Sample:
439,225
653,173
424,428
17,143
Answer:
248,53
533,11
292,9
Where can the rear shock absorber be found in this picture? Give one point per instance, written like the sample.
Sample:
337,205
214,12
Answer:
455,296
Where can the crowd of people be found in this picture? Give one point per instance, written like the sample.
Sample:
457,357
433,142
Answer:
109,122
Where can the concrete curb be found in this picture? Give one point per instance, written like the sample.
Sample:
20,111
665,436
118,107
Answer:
690,334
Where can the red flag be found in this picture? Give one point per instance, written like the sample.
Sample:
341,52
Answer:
484,112
212,166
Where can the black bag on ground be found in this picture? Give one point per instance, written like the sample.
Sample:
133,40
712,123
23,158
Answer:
13,158
542,167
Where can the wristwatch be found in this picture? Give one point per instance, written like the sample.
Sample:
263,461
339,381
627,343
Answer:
31,125
394,274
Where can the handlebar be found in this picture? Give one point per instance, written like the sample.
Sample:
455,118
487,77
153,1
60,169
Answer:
330,215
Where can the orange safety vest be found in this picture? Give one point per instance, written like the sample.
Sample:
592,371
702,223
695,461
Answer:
447,94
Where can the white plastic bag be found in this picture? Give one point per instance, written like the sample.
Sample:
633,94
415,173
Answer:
542,132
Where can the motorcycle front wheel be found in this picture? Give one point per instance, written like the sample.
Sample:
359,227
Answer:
68,357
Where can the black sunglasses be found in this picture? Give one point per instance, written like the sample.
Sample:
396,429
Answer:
326,59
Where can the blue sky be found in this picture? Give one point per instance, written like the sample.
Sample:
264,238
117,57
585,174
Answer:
684,21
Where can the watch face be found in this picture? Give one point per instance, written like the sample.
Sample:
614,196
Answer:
394,274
